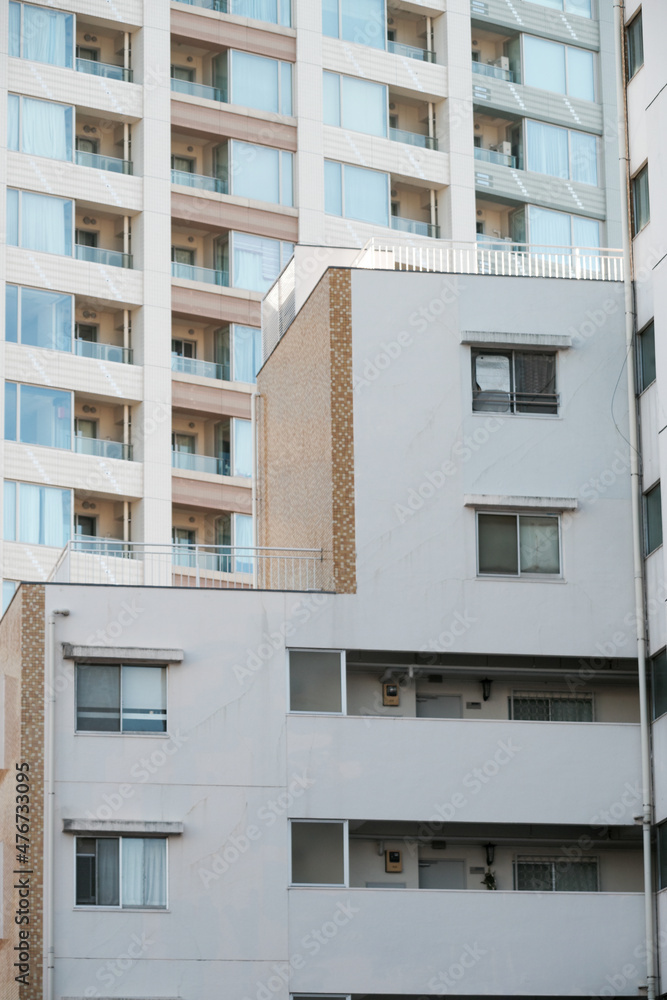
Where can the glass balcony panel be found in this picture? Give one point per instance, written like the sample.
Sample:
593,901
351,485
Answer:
193,273
411,51
485,69
96,255
103,352
101,546
111,163
493,156
102,448
200,463
109,70
413,138
201,181
414,227
197,90
191,366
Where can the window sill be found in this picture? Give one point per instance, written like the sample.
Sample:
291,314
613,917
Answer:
121,909
525,578
150,736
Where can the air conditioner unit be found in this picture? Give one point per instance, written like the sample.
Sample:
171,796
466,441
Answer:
503,147
502,63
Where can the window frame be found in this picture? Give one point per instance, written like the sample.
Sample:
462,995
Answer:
283,256
635,180
61,104
642,386
231,96
569,215
31,385
340,36
566,47
630,63
661,654
538,512
536,695
233,172
569,131
512,351
341,104
18,483
122,732
343,682
72,56
645,519
94,907
19,314
343,215
19,218
346,855
553,860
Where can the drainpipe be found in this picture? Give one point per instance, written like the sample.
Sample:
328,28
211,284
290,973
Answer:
635,478
49,799
255,471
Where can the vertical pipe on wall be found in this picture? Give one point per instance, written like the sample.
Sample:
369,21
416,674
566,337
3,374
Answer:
635,478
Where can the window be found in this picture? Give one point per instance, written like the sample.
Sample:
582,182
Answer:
561,152
634,37
646,357
261,83
120,698
39,222
652,519
36,415
42,35
40,128
183,73
514,382
580,7
317,681
235,530
39,318
183,255
659,684
38,515
641,211
184,348
256,260
184,164
360,21
121,871
238,350
548,229
262,173
355,104
274,11
545,706
318,853
556,874
8,591
356,193
518,544
242,449
561,68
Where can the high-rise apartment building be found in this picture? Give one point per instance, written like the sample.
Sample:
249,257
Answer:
162,160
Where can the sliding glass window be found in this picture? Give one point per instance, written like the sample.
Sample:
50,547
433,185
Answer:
558,229
41,34
41,128
260,83
38,318
355,104
561,68
262,173
39,222
580,7
356,193
257,261
37,415
274,11
360,21
38,515
561,152
641,210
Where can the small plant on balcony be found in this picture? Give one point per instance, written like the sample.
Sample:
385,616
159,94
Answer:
489,879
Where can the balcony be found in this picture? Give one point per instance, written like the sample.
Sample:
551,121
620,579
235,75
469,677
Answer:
415,227
204,369
102,448
101,546
103,352
210,566
496,72
411,51
96,255
413,138
108,70
193,273
197,90
208,464
111,163
493,156
201,181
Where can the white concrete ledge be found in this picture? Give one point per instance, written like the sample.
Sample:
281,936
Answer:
120,826
115,654
498,502
558,340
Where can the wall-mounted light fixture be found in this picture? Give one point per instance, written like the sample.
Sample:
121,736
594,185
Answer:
490,854
486,688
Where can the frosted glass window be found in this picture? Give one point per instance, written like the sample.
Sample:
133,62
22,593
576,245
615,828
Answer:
497,544
539,548
333,188
544,64
11,313
41,128
547,149
257,172
144,699
557,229
39,515
44,415
583,158
264,84
258,261
40,34
585,232
366,195
315,681
364,22
580,74
242,448
45,319
318,853
247,360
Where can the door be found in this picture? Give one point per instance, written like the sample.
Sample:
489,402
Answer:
182,255
85,238
439,706
183,163
86,434
442,874
85,526
186,540
87,145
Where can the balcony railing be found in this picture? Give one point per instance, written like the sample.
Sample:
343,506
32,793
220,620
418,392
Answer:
137,564
109,70
201,181
96,255
493,156
221,6
103,352
216,466
197,90
206,369
102,448
486,69
413,138
111,163
415,227
193,273
411,51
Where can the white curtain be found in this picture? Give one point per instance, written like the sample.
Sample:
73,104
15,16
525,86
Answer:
14,30
11,313
548,229
366,195
56,516
546,149
46,223
144,871
13,110
255,172
12,217
107,871
133,871
538,544
364,106
581,74
543,64
242,448
243,540
256,262
285,88
261,10
247,353
585,232
144,699
47,36
254,81
286,178
9,511
333,188
331,95
30,522
46,129
584,158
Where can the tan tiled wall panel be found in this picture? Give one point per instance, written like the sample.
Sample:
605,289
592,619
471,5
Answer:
209,400
213,124
342,430
221,33
187,303
206,213
212,497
